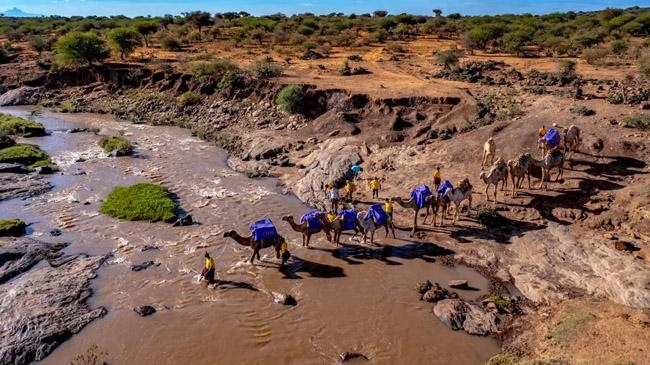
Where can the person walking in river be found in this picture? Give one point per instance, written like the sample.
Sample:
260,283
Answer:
375,185
285,254
208,269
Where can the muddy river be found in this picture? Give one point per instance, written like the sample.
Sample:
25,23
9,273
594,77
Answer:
359,298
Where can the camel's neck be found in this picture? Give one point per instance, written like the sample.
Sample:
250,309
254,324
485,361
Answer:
244,241
293,224
405,204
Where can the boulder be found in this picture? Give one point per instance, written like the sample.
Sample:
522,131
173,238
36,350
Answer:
55,232
260,148
185,221
6,141
286,299
21,96
44,306
458,284
19,255
21,186
459,314
15,168
143,266
145,310
331,162
347,356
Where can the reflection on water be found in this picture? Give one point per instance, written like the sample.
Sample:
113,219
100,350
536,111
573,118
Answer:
352,298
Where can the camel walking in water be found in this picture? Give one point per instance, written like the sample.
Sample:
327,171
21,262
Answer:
369,225
306,231
459,194
412,204
489,148
518,168
554,158
256,245
496,174
337,227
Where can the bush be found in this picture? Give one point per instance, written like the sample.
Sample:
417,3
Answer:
169,42
116,143
503,304
214,68
12,227
80,49
290,98
447,58
615,98
640,121
582,110
189,98
305,30
124,40
644,65
266,69
27,154
618,46
39,44
142,201
11,125
595,56
503,359
491,218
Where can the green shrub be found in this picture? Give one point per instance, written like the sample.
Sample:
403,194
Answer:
503,359
615,98
306,31
66,106
491,218
189,98
213,68
618,46
503,304
80,49
13,227
640,121
290,98
595,55
266,69
18,126
169,42
116,143
142,201
568,325
39,44
6,141
27,154
582,110
447,58
644,65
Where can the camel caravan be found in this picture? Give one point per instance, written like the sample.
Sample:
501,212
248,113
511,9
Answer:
446,199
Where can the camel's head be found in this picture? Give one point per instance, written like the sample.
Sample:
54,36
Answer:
228,233
286,218
482,175
499,161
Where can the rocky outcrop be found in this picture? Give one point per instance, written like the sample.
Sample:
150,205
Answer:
21,186
21,96
19,255
458,314
331,162
43,307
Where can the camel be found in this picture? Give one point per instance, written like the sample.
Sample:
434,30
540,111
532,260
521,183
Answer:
308,232
337,228
518,168
496,174
488,152
412,204
572,140
369,225
256,245
457,195
554,158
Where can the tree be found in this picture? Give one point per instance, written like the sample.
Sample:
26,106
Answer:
80,49
438,12
258,35
379,13
124,40
39,44
166,20
447,58
199,19
146,28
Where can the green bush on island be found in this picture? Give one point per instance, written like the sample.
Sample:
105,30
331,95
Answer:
143,201
116,143
12,227
11,125
27,154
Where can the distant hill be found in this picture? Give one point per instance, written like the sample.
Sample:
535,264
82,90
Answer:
17,13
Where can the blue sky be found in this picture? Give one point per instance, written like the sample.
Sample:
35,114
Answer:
261,7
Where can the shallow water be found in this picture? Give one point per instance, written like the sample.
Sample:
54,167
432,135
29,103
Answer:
360,298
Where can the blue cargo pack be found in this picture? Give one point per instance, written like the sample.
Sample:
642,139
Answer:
349,218
312,219
263,230
443,187
420,194
552,138
377,213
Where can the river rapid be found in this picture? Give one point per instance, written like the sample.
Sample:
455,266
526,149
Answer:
359,298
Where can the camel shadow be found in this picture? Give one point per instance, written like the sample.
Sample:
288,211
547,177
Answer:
355,255
314,269
229,284
620,166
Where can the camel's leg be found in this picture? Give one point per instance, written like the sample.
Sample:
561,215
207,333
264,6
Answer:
392,227
514,186
495,196
253,256
386,227
426,216
308,239
486,192
372,236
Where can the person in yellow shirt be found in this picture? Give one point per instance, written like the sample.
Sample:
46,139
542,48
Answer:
388,207
285,253
375,185
541,132
437,178
331,216
208,269
350,188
